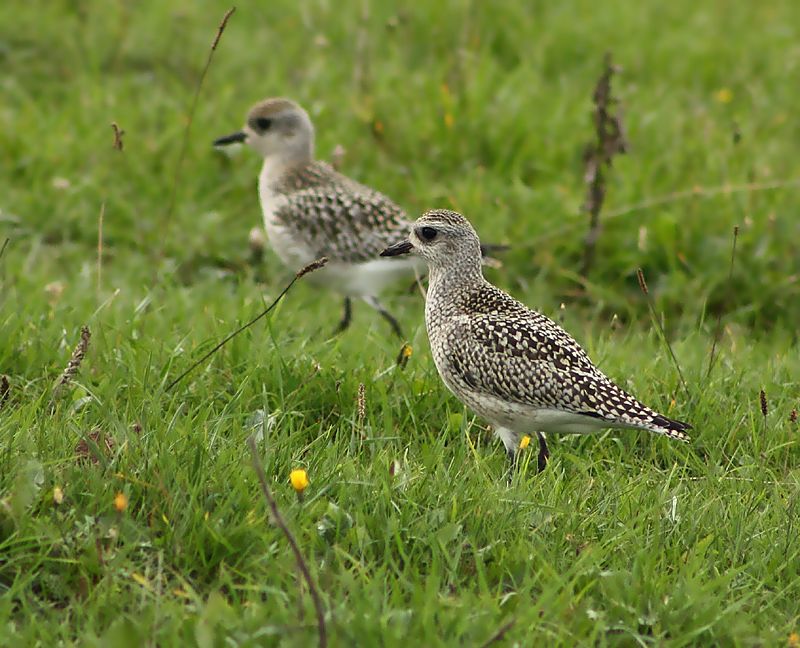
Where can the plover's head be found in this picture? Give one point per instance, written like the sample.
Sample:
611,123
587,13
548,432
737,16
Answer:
276,127
443,238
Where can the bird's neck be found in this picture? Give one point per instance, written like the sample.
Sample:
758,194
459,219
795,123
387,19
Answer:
277,166
448,288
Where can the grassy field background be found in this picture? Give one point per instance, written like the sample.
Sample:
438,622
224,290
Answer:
409,526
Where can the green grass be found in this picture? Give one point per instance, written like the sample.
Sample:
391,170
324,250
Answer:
626,538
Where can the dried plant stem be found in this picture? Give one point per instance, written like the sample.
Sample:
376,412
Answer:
74,364
2,251
500,634
311,267
190,119
100,248
277,518
657,321
5,390
118,133
361,406
718,328
598,156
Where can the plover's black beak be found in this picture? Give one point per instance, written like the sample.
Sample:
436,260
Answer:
403,247
233,138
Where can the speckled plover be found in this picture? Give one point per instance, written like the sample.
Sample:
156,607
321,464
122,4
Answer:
513,366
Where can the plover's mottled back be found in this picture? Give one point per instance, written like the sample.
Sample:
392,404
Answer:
513,366
311,210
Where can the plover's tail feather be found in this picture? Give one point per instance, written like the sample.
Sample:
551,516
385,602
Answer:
669,427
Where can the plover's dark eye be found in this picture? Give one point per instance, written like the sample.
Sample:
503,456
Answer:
428,233
263,123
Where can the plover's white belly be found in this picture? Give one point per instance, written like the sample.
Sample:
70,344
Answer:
524,419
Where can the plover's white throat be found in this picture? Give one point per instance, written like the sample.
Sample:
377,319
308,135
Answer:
311,210
515,367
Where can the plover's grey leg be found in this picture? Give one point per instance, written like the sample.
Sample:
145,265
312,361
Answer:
544,453
347,316
376,304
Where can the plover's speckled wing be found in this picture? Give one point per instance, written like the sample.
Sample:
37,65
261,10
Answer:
337,217
505,350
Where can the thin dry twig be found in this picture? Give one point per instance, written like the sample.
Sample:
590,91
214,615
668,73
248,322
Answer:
718,328
5,390
2,251
657,321
118,133
185,143
500,634
302,565
666,199
598,156
703,192
311,267
100,248
74,364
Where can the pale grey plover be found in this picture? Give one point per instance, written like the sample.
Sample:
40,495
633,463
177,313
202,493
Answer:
513,366
311,210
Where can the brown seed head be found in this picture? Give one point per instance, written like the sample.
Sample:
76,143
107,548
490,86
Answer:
642,282
362,403
311,267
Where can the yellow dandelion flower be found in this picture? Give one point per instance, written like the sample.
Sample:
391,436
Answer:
448,120
120,502
794,640
723,95
58,495
299,479
407,350
524,442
